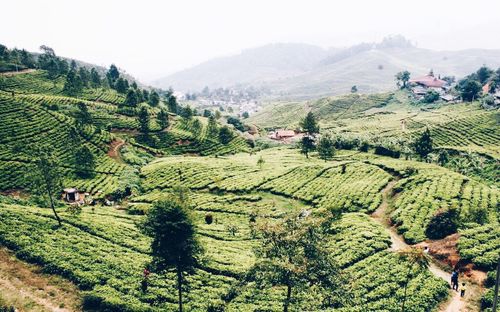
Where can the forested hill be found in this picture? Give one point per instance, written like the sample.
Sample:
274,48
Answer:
98,128
303,71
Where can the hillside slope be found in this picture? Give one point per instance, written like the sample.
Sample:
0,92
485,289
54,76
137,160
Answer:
265,63
303,71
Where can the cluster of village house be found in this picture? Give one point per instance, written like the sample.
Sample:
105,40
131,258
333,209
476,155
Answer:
74,196
284,135
421,85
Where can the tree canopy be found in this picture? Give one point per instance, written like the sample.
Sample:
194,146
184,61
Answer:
174,245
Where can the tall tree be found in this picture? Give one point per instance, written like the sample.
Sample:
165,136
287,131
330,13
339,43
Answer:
402,79
46,176
187,112
27,59
83,116
131,99
172,104
121,85
113,74
326,148
143,119
52,68
84,74
212,129
95,78
484,74
423,145
469,89
207,113
225,135
140,97
145,93
311,128
309,124
72,65
162,118
154,98
84,162
174,245
292,254
73,84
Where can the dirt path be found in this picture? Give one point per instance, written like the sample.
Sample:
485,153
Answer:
114,149
25,288
13,73
455,303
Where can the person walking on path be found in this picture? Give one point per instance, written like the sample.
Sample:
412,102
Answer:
463,288
454,280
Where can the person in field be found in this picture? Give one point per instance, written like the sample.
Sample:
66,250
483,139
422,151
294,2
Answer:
463,288
454,280
145,282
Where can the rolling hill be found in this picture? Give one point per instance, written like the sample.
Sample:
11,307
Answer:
303,71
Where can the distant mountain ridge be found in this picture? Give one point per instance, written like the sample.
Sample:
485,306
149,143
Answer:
265,63
306,71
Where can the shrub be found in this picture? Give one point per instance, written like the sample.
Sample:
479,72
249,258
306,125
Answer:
384,151
364,146
430,97
209,218
442,224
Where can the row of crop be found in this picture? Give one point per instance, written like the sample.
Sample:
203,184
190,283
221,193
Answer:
348,187
109,271
35,82
481,245
423,194
190,173
25,124
378,285
103,95
291,182
478,129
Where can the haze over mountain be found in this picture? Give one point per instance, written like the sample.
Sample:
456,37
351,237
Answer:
305,71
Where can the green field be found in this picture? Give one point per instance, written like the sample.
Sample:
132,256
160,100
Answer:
463,127
102,250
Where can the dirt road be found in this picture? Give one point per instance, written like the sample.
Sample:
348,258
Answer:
455,303
25,288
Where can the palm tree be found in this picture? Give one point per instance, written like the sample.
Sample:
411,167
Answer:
415,256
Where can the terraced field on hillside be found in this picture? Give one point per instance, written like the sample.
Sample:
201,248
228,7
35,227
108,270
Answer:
233,189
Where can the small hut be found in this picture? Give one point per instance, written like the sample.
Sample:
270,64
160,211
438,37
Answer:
71,195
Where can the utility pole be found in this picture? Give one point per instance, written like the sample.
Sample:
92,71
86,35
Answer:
495,300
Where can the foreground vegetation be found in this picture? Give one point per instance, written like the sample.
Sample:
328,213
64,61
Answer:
141,157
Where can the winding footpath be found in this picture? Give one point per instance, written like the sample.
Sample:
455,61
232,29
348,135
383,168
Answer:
454,304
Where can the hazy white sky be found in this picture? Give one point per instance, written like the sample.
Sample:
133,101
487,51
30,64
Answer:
151,39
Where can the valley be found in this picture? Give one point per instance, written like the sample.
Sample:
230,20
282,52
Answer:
86,162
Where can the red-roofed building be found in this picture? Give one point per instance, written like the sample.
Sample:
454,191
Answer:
283,134
429,81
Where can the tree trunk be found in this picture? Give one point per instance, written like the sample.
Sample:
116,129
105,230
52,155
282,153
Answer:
495,299
406,287
288,296
179,287
54,208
